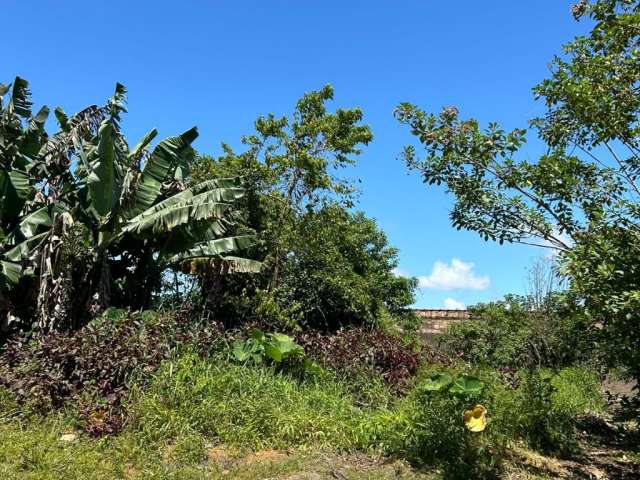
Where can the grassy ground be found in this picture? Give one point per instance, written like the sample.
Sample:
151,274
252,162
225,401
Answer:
209,418
38,450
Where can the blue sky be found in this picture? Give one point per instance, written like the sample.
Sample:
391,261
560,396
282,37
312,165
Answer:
220,64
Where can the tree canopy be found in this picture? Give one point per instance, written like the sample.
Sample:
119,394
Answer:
581,197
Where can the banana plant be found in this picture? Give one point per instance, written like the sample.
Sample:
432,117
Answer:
97,222
22,135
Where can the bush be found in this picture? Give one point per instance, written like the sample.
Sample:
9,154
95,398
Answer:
577,391
427,426
352,352
508,334
543,407
341,271
90,368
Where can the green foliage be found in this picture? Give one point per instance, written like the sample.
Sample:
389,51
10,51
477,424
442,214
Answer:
341,271
509,334
193,402
581,197
91,370
577,391
358,354
244,406
90,222
275,346
548,404
427,426
324,266
437,382
465,385
33,451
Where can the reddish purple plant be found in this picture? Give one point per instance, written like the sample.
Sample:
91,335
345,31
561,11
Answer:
350,351
90,368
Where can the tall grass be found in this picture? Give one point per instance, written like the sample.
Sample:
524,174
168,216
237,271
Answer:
194,403
245,406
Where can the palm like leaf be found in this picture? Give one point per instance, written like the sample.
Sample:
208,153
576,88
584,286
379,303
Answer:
163,159
119,210
184,208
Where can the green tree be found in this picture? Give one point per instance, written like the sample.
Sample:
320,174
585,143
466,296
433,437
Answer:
341,271
291,164
579,198
296,201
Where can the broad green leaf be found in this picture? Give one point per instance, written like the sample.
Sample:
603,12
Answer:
20,103
249,349
28,226
34,134
258,335
10,271
279,347
26,248
241,265
118,102
215,248
20,183
184,207
63,120
143,144
467,385
286,344
273,352
166,219
438,382
163,159
240,352
14,191
102,176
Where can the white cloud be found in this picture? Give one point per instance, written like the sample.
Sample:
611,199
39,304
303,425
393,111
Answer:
451,304
452,276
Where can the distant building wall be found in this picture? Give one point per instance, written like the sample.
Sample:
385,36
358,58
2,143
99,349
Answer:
437,321
442,314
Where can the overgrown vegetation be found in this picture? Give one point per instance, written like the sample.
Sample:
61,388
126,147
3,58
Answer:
89,223
135,343
581,197
509,335
91,370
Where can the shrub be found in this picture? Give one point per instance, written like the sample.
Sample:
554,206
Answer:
90,368
543,406
260,346
509,334
349,352
427,426
577,391
341,271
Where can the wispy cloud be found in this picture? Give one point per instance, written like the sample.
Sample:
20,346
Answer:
456,275
452,304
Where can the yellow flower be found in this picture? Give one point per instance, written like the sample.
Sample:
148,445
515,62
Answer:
475,419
